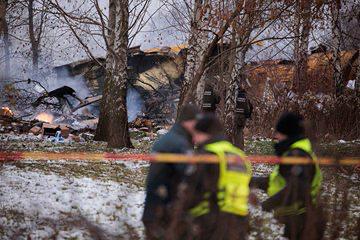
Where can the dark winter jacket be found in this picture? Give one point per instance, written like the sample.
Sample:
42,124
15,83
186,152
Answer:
163,178
298,178
216,224
210,99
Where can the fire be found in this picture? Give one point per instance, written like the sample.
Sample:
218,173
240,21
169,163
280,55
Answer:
45,117
5,111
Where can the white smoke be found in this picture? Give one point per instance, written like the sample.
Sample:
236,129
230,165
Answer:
134,104
64,78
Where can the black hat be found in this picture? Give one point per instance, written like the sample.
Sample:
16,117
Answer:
210,124
290,124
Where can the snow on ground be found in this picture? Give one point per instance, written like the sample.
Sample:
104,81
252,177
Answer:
104,200
113,207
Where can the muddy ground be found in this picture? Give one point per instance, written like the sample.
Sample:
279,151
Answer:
104,200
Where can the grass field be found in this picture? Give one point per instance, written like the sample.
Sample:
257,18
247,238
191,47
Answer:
104,200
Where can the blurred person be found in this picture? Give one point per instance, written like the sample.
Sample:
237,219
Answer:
210,99
293,188
163,178
243,112
217,194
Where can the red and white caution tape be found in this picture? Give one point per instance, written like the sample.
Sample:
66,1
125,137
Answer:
164,157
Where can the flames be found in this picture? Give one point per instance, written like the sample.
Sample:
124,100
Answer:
5,111
45,117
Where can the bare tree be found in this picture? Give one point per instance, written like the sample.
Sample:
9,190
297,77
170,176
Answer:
4,33
117,34
302,30
187,92
335,7
91,22
196,46
113,124
102,131
350,36
241,32
36,30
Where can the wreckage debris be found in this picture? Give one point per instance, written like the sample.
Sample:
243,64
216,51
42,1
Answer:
59,93
8,123
78,127
142,124
52,129
36,130
42,125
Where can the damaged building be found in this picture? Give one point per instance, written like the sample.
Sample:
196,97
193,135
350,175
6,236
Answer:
156,75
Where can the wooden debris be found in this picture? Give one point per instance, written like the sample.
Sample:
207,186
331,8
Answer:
36,130
51,129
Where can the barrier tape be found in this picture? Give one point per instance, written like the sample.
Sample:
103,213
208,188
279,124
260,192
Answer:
164,157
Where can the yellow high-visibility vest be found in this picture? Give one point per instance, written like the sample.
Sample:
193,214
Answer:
278,182
233,182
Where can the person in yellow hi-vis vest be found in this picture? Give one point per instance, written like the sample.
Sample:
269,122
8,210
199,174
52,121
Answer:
293,188
217,194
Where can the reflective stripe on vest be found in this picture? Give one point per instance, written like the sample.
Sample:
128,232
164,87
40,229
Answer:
295,208
202,208
278,182
233,182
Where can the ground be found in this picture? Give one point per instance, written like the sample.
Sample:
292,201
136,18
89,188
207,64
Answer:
104,200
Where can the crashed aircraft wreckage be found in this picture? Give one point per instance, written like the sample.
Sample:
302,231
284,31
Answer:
156,75
62,93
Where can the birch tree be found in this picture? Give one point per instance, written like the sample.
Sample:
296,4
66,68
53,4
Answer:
202,12
102,131
197,44
33,40
187,93
302,30
4,33
357,80
117,30
113,115
36,23
240,34
335,7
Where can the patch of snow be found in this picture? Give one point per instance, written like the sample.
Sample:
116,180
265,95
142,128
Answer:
20,137
162,132
351,84
145,139
319,106
109,205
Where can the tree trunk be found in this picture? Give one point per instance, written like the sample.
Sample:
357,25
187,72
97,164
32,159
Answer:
242,29
336,36
207,54
188,91
236,79
357,79
33,41
102,133
4,33
115,123
302,33
196,46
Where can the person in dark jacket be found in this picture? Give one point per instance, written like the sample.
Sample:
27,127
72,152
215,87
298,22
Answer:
243,112
163,178
293,188
217,194
210,99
